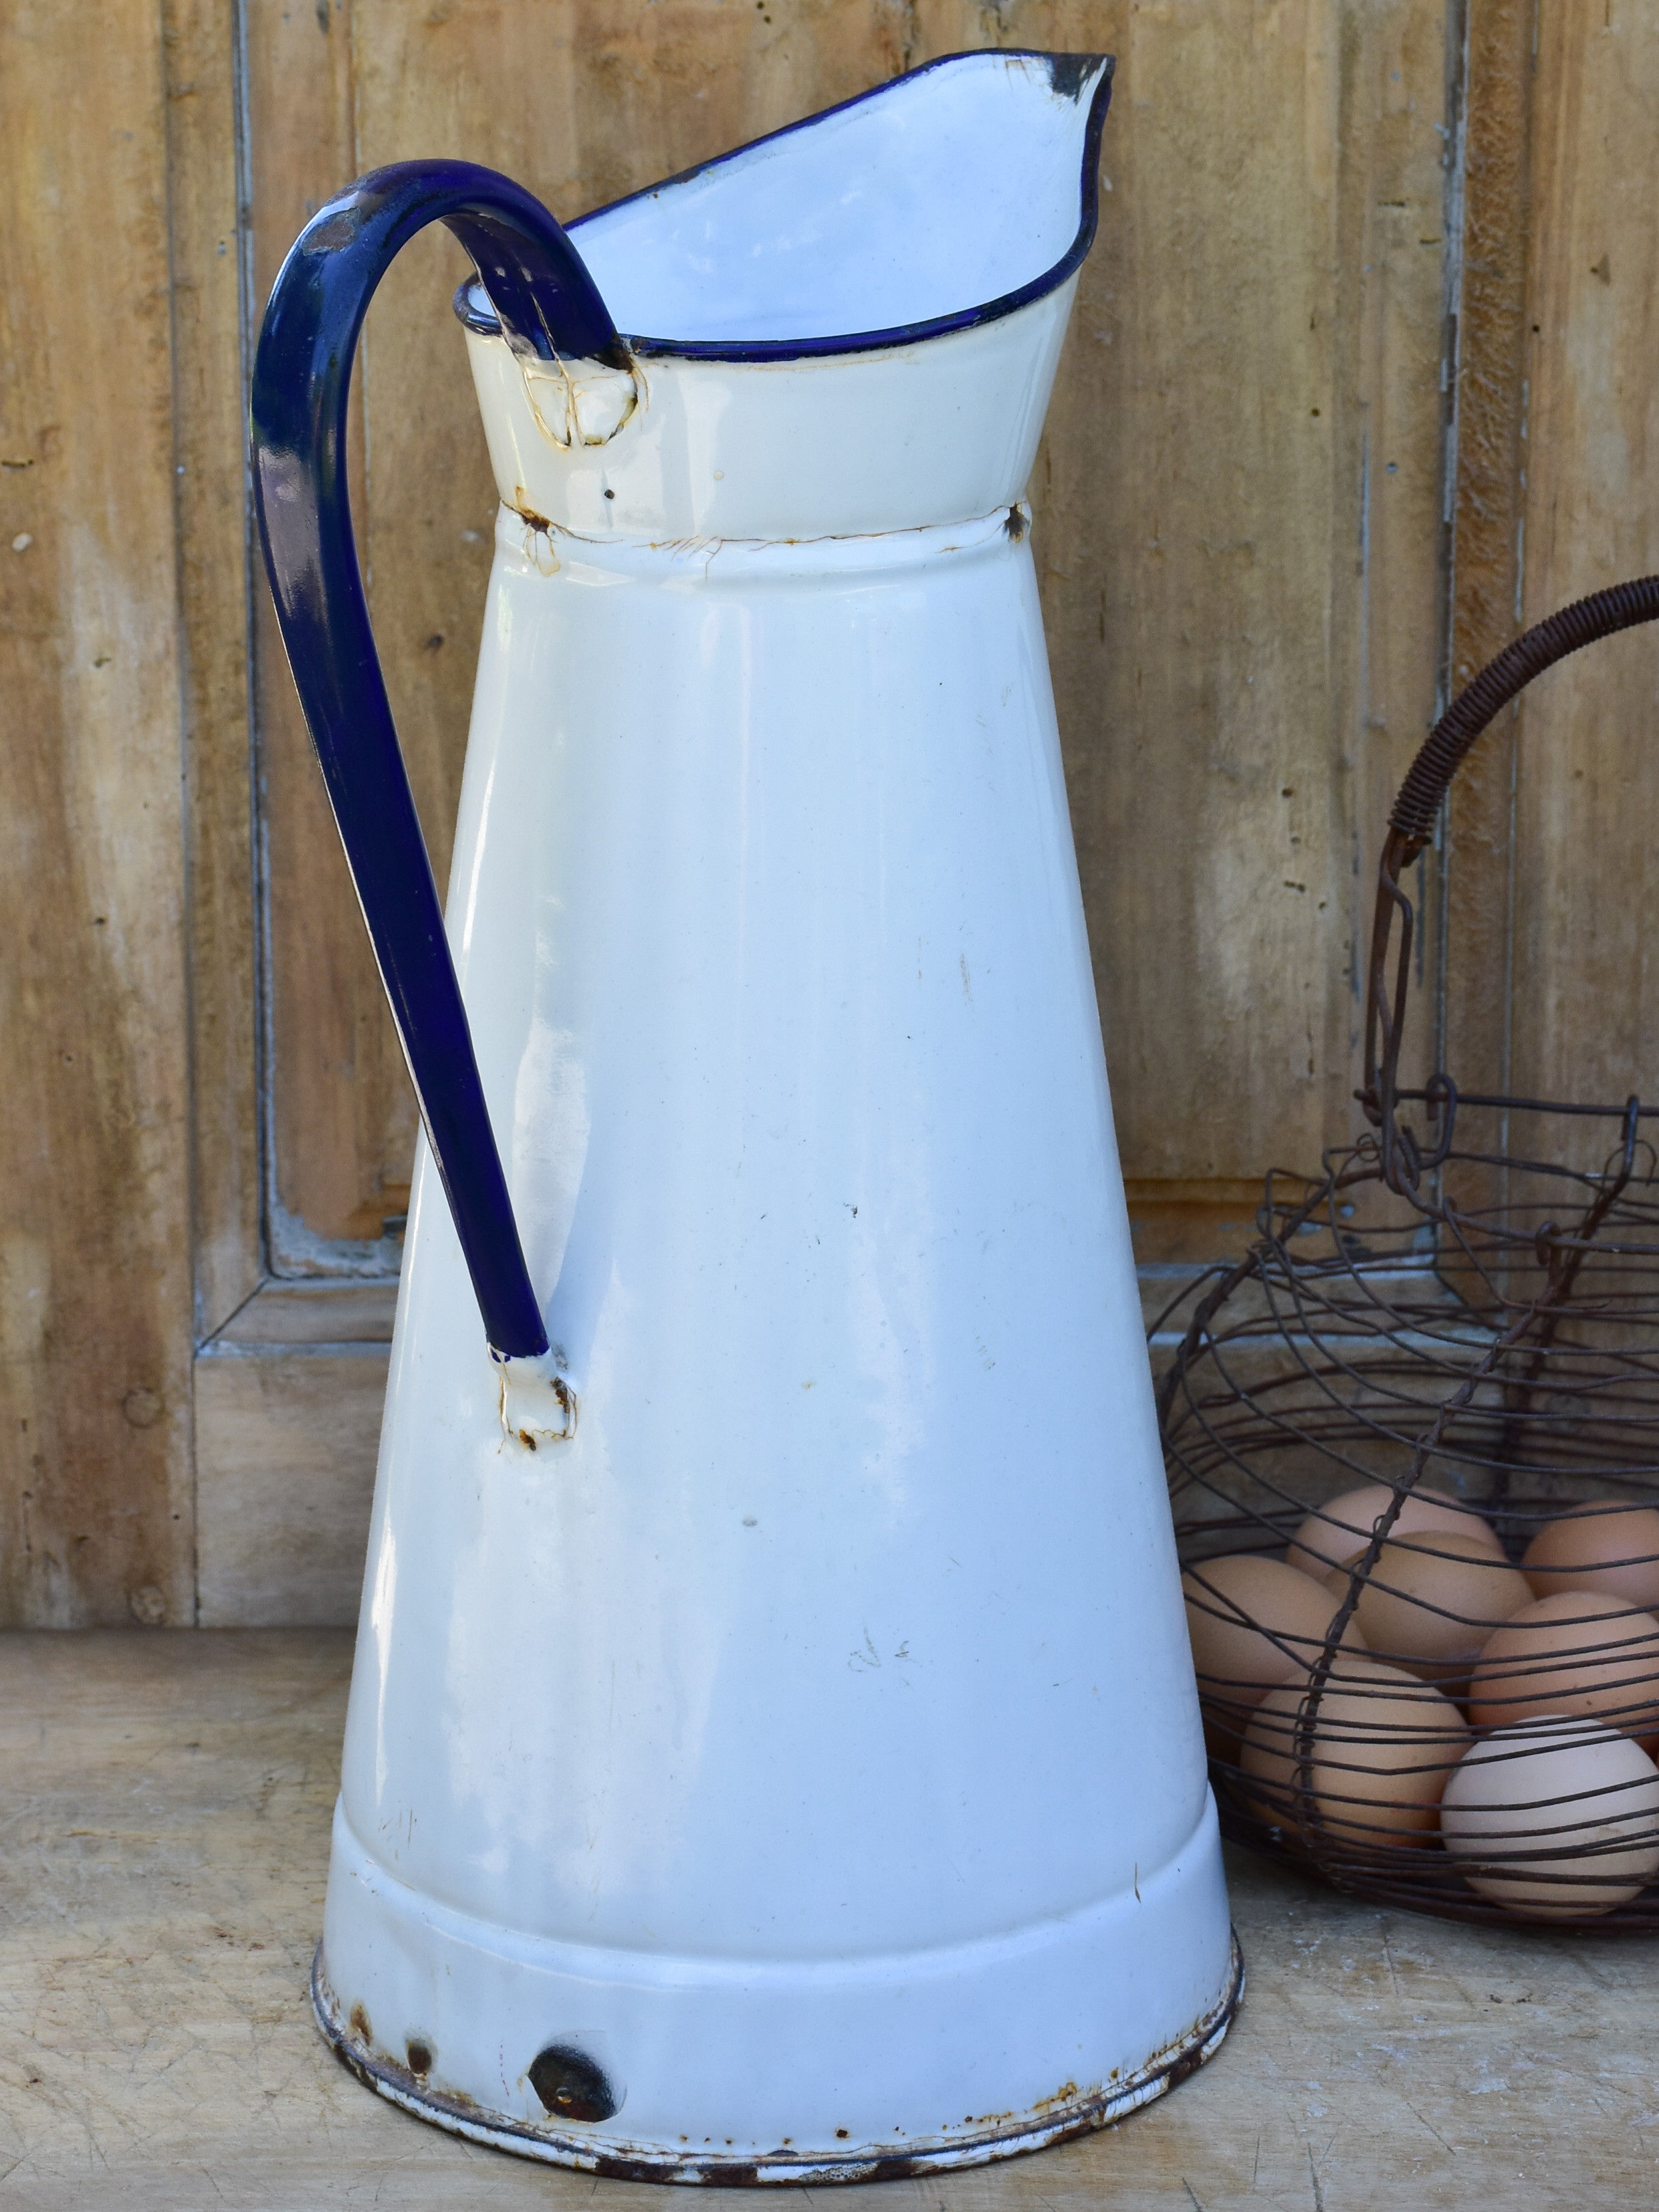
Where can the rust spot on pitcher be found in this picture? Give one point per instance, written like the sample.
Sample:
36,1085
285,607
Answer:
585,402
537,1405
571,2085
538,534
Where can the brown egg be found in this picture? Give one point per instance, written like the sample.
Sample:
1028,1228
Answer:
1381,1747
1431,1600
1554,1817
1578,1653
1611,1548
1251,1621
1330,1537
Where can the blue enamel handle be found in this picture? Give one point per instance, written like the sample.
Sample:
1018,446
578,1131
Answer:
548,304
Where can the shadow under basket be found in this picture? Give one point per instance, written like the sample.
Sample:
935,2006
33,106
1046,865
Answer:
1460,1313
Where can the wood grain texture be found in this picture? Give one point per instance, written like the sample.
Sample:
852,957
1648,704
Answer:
1586,989
314,1312
338,1073
95,1508
211,535
286,1446
162,1888
1237,528
1477,846
1239,523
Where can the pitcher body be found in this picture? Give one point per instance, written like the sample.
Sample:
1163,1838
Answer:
772,1752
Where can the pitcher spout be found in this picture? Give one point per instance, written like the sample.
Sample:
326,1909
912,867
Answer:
848,328
945,198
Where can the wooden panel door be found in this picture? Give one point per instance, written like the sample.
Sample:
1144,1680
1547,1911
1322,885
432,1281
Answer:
1357,373
1238,513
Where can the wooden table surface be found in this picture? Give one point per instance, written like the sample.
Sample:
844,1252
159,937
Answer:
164,1807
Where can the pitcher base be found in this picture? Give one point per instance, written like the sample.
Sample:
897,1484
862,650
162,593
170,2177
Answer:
1164,2070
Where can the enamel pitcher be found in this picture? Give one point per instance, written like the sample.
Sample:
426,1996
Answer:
773,1751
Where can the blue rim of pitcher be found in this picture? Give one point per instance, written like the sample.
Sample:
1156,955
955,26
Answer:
1066,72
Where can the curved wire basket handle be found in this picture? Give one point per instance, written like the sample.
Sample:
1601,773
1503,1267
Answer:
1412,821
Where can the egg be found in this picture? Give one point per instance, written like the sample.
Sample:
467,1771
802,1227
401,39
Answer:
1251,1621
1381,1748
1330,1537
1579,1653
1431,1602
1611,1548
1555,1816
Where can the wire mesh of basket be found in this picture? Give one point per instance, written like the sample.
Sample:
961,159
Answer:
1412,1443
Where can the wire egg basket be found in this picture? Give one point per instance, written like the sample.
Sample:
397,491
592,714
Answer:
1428,1395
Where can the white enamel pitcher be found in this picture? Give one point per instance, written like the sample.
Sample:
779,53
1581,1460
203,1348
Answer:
773,1751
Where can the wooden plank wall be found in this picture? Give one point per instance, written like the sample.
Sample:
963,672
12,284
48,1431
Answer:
95,1305
1584,1000
1551,989
1357,372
